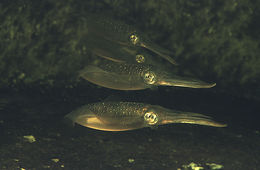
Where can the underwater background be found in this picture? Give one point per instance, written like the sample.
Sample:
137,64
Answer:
42,50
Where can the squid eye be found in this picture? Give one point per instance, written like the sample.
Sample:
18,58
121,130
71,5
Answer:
149,77
151,118
134,39
140,58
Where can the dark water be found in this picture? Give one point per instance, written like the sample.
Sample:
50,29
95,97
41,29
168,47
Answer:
40,114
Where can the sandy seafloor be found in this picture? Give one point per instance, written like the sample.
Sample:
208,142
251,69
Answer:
53,144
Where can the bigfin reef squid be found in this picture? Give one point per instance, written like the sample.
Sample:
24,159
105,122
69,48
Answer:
120,42
124,76
123,116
